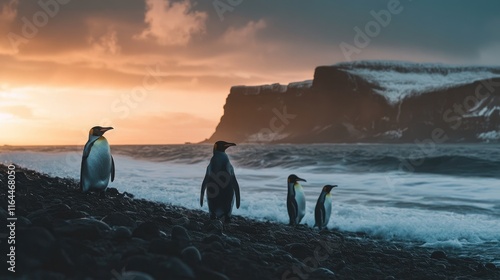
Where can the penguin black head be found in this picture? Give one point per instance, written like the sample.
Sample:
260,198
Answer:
294,178
328,188
221,146
98,130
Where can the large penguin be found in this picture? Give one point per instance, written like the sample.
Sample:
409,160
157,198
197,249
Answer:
296,200
220,184
98,165
323,208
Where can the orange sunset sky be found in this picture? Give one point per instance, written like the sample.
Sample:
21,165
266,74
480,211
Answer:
159,71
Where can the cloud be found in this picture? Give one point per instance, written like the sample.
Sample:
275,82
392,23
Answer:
172,23
245,34
107,43
19,111
8,12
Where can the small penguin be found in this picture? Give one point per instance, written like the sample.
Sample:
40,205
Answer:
97,163
296,200
323,208
220,184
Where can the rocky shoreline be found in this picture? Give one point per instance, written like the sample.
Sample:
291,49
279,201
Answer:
64,234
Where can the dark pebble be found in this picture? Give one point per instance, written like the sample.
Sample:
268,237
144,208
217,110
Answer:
122,233
147,230
217,246
213,261
438,255
214,226
177,268
133,275
298,250
112,192
212,238
322,273
207,274
233,241
140,263
36,246
164,247
119,219
23,221
191,256
491,266
181,236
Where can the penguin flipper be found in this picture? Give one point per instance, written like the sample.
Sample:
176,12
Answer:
320,216
112,169
292,210
234,184
236,187
88,147
204,185
86,153
84,159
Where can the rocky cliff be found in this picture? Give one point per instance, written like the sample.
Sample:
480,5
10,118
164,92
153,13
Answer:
369,101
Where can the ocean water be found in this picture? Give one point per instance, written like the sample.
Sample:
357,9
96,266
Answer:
445,197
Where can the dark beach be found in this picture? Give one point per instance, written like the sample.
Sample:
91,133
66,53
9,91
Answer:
63,234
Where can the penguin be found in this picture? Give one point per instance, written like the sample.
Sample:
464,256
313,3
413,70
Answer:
98,166
296,200
323,208
220,184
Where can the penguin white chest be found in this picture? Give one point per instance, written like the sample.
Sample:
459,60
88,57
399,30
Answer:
300,198
99,164
328,208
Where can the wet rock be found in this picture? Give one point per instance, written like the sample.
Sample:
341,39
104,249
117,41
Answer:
176,268
119,219
181,236
164,247
112,192
212,238
213,261
83,207
235,242
217,246
84,228
183,221
322,273
438,255
147,230
214,227
194,226
140,263
22,221
298,250
132,275
207,274
35,247
191,256
491,266
121,232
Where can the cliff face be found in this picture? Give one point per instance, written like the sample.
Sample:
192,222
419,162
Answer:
368,102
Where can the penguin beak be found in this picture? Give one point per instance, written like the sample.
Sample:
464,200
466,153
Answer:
300,179
227,145
104,129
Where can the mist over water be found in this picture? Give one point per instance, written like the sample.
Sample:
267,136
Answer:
446,196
